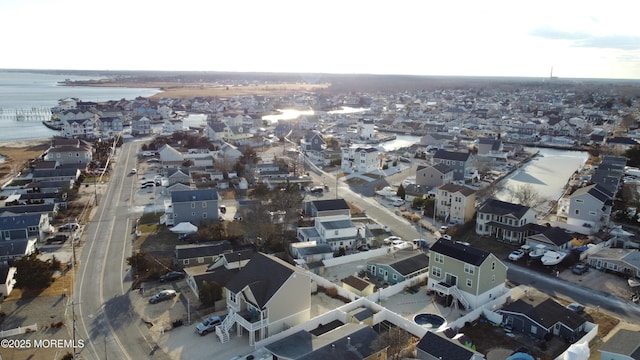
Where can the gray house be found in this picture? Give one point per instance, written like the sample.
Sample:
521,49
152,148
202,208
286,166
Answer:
590,207
313,141
539,316
436,346
623,345
436,175
331,207
198,254
394,270
194,206
460,162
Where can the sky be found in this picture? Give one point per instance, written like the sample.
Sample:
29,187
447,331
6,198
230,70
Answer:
578,39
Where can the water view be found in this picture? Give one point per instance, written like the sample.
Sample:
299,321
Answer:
547,173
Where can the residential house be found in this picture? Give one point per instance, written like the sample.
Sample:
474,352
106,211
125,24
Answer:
170,157
177,176
358,286
504,220
434,175
108,126
436,346
365,129
551,237
622,261
57,174
538,316
455,203
620,144
221,271
266,297
332,224
194,206
310,251
623,345
343,342
396,268
140,126
313,146
461,162
463,272
19,233
360,159
74,151
434,140
491,148
78,128
7,281
203,253
172,126
589,208
216,130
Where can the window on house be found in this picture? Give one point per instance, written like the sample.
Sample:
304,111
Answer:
481,216
185,262
577,212
493,278
493,265
436,272
579,201
469,269
592,213
336,233
204,215
395,277
534,329
204,204
200,260
193,205
439,258
193,214
232,296
469,282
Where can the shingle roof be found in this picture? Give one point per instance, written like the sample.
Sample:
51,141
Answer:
465,253
194,195
411,265
11,222
263,275
451,155
443,168
498,207
545,311
328,205
624,342
356,283
453,188
440,347
202,250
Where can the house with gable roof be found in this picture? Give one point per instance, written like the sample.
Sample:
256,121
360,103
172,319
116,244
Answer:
140,126
590,208
194,206
109,125
455,203
434,175
622,261
463,272
332,224
360,159
170,157
78,128
19,233
551,237
435,346
504,220
538,316
69,151
399,267
267,296
460,162
623,345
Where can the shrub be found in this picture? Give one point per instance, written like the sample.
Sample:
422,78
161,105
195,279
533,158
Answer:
415,217
331,292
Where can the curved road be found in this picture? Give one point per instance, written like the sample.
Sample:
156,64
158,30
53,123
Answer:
104,313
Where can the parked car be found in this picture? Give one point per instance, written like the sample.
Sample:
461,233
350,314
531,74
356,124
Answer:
69,226
402,245
516,255
397,202
223,209
58,238
391,239
579,268
444,228
237,217
209,324
162,296
575,307
171,276
316,190
134,171
363,247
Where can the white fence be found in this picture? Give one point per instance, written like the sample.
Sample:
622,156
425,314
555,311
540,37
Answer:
19,330
356,257
487,309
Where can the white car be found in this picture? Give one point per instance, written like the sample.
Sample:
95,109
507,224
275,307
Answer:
134,171
391,239
516,255
402,245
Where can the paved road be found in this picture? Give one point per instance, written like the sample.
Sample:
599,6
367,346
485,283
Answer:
620,308
104,313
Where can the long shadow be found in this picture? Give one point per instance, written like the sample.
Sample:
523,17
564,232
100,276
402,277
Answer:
527,178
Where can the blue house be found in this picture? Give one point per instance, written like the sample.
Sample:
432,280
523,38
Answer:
541,317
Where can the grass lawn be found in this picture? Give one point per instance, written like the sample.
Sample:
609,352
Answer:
355,181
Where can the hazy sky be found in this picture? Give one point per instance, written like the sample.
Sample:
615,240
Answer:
598,39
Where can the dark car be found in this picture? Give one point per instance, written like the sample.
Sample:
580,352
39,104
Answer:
579,269
162,296
171,276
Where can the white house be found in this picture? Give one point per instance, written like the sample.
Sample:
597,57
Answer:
360,159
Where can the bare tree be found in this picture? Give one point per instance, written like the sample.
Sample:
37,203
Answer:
526,195
397,340
489,191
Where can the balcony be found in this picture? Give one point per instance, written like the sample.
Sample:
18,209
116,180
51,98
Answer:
251,320
444,288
